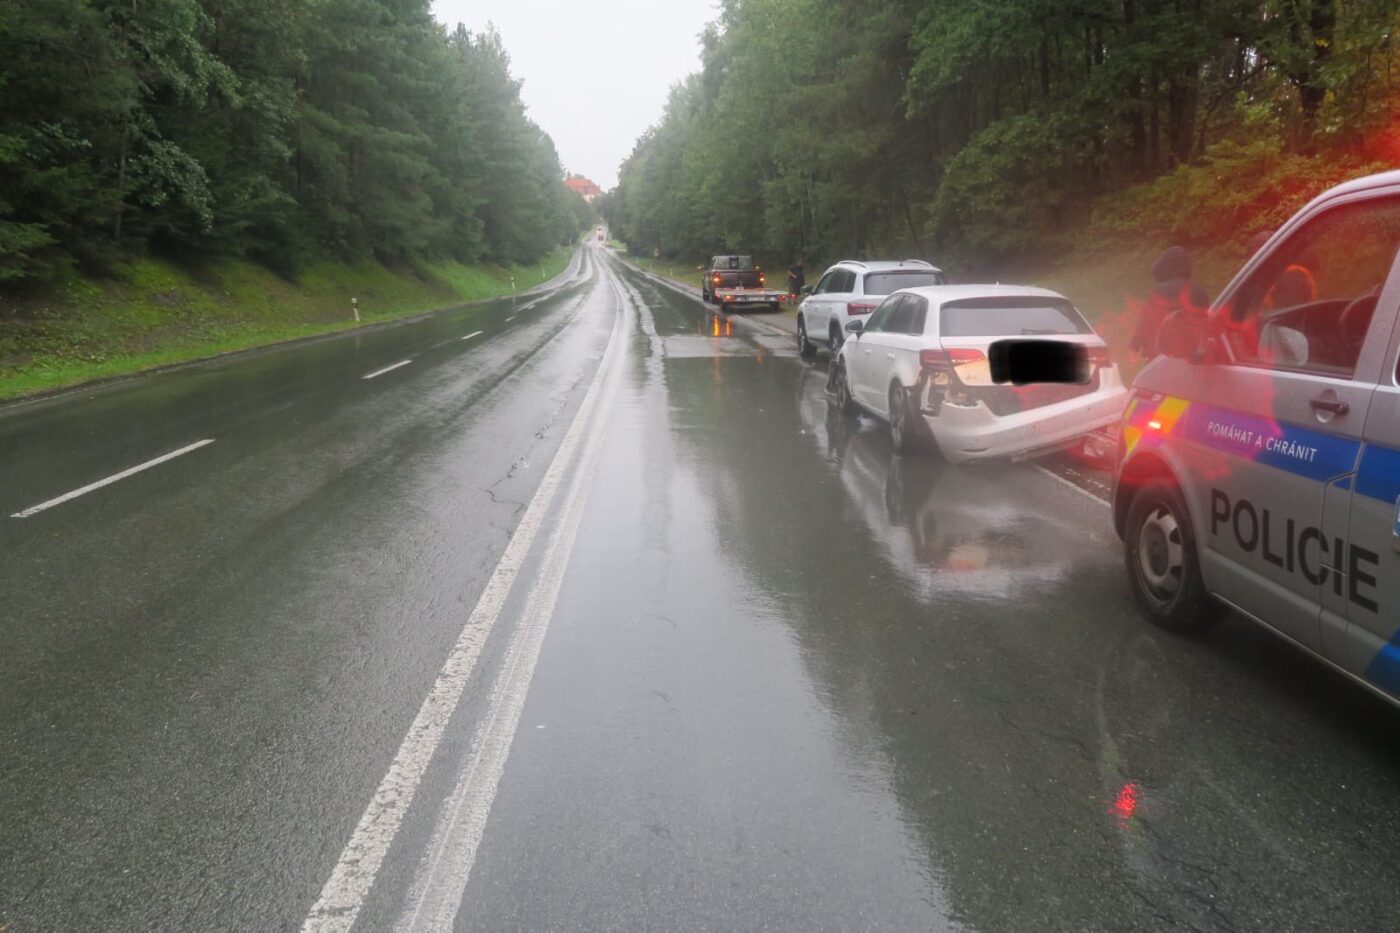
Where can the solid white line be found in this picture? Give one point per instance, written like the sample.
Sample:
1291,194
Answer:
435,898
34,510
344,892
386,369
1075,486
473,334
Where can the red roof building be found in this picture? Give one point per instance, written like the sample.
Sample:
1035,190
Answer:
587,189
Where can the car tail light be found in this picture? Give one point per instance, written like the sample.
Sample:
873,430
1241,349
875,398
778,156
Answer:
859,307
947,359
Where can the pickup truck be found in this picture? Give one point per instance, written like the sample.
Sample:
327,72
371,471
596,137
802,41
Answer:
731,281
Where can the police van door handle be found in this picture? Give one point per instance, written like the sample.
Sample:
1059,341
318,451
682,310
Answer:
1335,406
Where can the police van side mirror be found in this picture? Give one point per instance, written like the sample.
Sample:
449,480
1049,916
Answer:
1186,336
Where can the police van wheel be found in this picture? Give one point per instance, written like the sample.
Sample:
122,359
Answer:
1163,563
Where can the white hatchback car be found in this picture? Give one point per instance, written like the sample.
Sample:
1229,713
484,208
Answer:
850,291
921,364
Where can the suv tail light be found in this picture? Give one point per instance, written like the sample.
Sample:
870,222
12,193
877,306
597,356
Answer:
859,307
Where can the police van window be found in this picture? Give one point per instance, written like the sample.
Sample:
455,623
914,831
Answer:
1309,306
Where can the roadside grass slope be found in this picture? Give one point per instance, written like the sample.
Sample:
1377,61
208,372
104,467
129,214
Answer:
154,312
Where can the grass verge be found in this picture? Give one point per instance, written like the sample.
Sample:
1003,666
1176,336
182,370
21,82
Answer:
154,313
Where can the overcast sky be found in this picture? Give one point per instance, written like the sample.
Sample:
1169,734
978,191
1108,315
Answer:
596,74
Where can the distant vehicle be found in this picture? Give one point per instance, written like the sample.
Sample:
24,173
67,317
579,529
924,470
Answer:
1259,459
734,281
850,290
921,363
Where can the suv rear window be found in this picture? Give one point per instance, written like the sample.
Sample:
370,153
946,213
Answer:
887,283
1010,317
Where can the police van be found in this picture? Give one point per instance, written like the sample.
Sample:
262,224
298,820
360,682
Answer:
1259,458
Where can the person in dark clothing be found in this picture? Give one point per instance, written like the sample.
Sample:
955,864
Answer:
797,278
1172,291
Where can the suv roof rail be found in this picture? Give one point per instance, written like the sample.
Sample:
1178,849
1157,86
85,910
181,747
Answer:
917,262
853,262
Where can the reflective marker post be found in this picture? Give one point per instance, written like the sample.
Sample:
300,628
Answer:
355,308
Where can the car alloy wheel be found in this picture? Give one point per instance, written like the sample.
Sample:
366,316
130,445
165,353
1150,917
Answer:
901,431
805,348
844,402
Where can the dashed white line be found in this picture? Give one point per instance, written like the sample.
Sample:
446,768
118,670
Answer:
386,369
34,510
476,333
354,874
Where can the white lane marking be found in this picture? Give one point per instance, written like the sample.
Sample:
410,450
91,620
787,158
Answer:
473,334
36,509
435,898
1076,487
386,369
354,874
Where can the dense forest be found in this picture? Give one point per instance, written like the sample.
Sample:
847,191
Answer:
276,130
993,129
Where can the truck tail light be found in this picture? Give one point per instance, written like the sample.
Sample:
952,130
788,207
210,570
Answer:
715,279
761,280
859,307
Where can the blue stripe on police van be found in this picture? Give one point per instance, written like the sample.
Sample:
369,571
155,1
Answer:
1379,474
1384,669
1301,451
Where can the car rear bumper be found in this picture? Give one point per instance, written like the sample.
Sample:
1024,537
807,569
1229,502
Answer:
973,432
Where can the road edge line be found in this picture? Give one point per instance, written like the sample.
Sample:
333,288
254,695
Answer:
344,892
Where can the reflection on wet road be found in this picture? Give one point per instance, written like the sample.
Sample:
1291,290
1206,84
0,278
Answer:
790,680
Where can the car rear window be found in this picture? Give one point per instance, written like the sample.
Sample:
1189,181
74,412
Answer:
1010,317
734,263
887,283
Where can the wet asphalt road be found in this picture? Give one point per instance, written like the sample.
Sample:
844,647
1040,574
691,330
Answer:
784,679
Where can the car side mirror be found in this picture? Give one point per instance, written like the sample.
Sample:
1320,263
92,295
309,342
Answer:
1186,336
855,328
809,289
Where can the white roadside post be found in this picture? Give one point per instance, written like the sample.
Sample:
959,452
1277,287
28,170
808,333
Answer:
355,308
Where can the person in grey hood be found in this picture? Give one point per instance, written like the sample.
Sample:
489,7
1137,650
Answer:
1172,290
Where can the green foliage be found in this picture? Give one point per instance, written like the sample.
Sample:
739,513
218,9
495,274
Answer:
279,131
986,129
1235,191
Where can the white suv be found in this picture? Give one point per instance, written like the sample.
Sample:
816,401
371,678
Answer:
851,290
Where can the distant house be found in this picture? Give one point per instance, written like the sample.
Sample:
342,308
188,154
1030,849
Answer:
584,187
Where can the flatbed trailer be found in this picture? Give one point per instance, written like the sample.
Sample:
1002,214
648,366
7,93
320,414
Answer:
747,297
